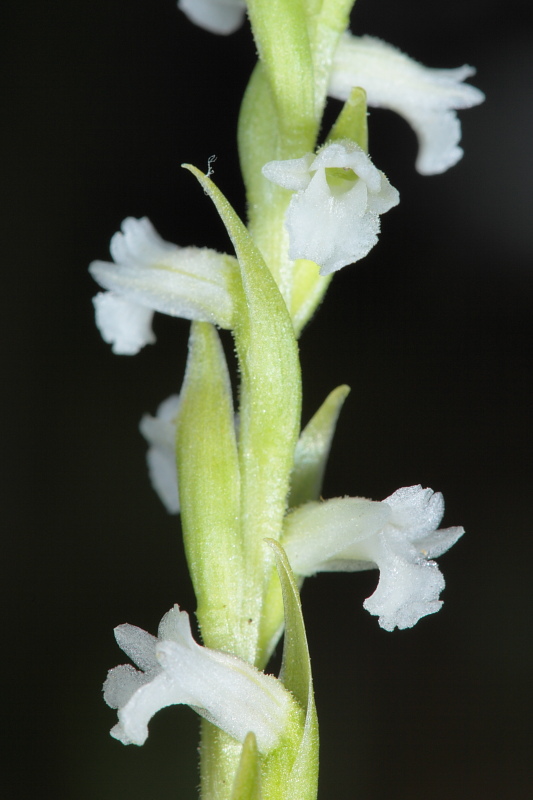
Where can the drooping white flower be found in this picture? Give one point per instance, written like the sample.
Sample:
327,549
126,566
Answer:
160,433
398,535
149,274
216,16
174,669
333,217
426,98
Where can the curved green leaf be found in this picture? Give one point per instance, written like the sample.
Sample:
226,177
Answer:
296,676
269,410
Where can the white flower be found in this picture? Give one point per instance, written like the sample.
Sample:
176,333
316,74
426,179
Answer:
160,433
398,535
216,16
425,97
174,669
333,217
150,275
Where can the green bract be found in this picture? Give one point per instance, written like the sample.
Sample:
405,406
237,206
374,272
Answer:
269,412
210,490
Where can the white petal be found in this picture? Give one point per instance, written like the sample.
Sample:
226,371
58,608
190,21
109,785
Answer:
121,683
216,16
439,542
138,645
416,511
175,626
316,534
158,693
426,98
387,198
140,243
160,433
293,173
125,325
164,478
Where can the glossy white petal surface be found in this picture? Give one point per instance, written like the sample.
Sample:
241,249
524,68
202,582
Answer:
426,98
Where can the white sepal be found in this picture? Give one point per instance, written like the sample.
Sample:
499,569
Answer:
398,535
216,16
160,433
332,221
149,274
174,669
426,98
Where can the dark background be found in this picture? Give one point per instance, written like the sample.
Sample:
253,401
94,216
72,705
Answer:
433,331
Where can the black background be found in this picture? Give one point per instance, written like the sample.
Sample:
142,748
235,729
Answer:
433,331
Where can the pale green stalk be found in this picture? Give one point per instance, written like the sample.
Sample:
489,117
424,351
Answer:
280,119
234,488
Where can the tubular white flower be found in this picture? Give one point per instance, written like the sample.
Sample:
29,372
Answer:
426,98
160,433
174,669
150,275
216,16
398,535
333,217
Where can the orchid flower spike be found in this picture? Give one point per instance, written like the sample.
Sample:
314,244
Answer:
216,16
333,217
426,98
174,669
398,535
160,433
149,274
